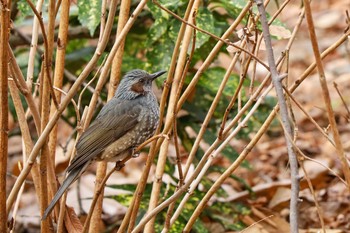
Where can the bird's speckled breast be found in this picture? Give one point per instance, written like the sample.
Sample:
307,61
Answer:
148,122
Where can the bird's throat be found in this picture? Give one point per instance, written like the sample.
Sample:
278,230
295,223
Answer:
138,88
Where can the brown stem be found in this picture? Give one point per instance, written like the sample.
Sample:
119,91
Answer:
119,165
47,57
16,72
46,165
26,137
4,37
277,82
33,42
58,81
118,58
325,93
101,166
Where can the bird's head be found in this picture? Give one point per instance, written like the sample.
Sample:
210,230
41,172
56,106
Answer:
136,83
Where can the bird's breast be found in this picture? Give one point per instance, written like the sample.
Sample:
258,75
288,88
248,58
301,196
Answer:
148,120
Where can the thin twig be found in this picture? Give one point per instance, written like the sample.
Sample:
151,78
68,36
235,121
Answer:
255,223
301,162
18,77
308,116
342,99
119,165
47,58
89,83
233,100
294,213
325,93
33,42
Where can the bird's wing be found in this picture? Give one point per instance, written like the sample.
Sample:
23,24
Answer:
115,119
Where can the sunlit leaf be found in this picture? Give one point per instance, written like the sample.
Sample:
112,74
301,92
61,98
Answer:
205,20
90,14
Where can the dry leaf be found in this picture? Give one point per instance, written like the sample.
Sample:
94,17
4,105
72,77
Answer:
281,196
72,221
280,32
231,49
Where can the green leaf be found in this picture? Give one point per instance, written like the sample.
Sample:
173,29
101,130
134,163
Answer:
159,56
158,29
24,9
90,14
233,8
204,20
212,79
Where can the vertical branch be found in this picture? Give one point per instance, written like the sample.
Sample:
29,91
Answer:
58,80
33,47
25,133
113,83
47,44
45,114
118,58
4,37
277,82
16,72
325,93
103,18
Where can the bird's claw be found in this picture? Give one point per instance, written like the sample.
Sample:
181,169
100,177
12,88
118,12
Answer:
135,153
119,165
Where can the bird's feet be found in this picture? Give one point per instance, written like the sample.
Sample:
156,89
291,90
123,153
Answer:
135,153
119,165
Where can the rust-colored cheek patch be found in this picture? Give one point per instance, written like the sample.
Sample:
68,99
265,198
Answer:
138,88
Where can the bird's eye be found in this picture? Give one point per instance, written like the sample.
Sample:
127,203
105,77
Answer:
141,80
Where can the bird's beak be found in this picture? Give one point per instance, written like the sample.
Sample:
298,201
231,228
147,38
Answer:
157,74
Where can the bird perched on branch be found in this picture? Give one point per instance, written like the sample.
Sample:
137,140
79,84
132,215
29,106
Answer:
127,120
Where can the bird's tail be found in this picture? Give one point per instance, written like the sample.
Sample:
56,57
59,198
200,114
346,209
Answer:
72,176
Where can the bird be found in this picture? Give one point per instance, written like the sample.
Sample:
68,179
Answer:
128,119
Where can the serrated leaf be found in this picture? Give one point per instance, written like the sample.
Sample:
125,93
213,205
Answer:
90,14
157,30
159,56
204,20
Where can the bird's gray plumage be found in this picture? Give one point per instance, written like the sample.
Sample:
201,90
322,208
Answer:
126,121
